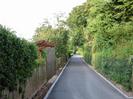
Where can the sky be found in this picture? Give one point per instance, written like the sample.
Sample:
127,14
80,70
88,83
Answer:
24,16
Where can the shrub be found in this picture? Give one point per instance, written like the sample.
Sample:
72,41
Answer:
116,69
87,54
17,59
42,57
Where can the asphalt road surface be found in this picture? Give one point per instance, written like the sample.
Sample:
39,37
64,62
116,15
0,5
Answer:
78,81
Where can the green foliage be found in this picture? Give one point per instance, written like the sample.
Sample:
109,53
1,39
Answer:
62,42
17,59
77,21
42,58
78,39
110,23
87,53
58,36
44,53
122,10
43,32
116,69
78,17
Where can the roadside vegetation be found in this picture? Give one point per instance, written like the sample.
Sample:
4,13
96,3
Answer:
105,30
100,30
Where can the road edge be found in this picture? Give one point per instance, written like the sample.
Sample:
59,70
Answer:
104,78
51,88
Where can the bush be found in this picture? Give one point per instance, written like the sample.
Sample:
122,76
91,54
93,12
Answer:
87,54
42,57
116,69
17,59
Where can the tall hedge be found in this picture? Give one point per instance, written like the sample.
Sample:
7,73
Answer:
17,59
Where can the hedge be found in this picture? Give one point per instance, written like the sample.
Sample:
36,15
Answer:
17,60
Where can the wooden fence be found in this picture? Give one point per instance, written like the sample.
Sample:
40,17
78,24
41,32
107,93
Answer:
40,76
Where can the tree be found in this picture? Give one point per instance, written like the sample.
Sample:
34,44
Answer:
77,22
58,35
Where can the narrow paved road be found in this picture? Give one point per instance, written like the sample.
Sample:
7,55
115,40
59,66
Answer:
78,81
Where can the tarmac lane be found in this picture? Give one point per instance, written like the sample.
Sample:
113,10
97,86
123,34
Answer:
78,81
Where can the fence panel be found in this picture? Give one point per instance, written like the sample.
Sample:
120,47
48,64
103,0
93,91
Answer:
51,62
